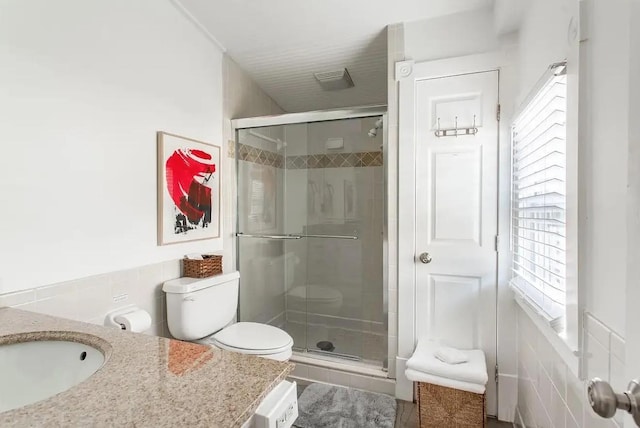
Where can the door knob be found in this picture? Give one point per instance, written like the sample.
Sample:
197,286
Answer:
605,402
425,258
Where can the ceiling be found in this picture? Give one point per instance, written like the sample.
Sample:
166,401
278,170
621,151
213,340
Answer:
281,43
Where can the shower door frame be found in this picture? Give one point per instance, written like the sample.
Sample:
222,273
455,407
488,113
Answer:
326,116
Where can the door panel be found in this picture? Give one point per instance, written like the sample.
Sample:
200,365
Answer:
456,172
456,214
451,315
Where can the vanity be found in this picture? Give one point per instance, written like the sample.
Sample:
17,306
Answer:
145,381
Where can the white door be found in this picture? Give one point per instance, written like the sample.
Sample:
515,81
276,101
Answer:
456,213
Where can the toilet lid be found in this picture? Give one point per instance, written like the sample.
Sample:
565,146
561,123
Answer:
251,336
317,293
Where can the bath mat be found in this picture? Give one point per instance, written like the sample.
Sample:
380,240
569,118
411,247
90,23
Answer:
329,406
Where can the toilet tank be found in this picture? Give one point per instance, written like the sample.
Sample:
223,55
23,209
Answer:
198,307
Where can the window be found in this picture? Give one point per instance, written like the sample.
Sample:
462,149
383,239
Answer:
539,198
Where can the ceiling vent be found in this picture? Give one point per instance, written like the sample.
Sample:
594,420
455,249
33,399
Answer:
334,80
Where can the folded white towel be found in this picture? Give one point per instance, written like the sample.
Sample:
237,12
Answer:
450,355
417,376
473,371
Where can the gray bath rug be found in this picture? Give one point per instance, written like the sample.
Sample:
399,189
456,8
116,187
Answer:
328,406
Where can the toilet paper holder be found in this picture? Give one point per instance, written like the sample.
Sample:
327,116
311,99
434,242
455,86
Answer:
110,320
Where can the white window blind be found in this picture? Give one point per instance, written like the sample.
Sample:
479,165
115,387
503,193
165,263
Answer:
539,198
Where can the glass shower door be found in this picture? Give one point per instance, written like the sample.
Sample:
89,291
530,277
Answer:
310,206
260,245
344,215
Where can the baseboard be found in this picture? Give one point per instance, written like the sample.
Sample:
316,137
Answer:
507,397
404,387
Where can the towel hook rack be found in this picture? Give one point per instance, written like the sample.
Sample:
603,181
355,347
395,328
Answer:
455,131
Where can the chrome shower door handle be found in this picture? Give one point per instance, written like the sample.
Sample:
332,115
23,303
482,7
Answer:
605,402
425,258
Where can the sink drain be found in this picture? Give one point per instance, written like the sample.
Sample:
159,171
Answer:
325,345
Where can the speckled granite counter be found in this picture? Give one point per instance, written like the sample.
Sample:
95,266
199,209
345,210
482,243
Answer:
146,381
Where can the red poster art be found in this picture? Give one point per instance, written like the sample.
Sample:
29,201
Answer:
189,189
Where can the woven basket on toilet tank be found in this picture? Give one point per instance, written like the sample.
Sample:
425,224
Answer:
210,265
442,407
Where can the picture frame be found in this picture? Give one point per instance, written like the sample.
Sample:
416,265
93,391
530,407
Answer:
188,187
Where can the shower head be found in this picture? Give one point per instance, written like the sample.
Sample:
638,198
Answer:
373,132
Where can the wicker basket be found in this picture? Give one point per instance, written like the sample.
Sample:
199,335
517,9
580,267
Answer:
442,407
209,266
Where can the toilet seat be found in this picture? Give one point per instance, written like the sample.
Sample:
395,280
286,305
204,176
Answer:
252,338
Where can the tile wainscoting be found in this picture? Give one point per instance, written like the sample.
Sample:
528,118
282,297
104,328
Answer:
549,394
90,299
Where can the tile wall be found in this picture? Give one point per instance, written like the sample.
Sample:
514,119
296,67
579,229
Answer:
549,394
90,299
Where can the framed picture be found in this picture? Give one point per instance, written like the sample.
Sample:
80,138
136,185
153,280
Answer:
188,189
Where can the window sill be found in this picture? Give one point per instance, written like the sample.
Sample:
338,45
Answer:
571,357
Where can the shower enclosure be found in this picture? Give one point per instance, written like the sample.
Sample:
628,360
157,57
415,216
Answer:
311,228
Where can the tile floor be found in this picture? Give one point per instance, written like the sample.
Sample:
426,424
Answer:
407,413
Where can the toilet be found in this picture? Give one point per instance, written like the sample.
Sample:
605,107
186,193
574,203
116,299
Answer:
202,310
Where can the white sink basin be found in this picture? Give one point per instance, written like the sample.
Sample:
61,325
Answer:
32,371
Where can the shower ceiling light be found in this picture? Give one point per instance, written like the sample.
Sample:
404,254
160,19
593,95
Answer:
334,80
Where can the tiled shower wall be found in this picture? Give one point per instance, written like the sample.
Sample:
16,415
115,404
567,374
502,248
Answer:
549,394
90,299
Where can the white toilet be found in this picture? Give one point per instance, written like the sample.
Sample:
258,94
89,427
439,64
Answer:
201,309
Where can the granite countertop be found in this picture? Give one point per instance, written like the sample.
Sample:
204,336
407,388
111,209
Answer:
146,381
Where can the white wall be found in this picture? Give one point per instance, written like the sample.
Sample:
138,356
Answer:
604,104
633,201
542,40
450,36
85,86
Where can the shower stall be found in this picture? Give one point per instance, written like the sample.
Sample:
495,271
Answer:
311,230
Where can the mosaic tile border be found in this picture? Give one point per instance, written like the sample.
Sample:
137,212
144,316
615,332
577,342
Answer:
337,160
258,156
332,160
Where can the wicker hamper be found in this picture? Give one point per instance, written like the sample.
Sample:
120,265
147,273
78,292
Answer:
443,407
209,266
